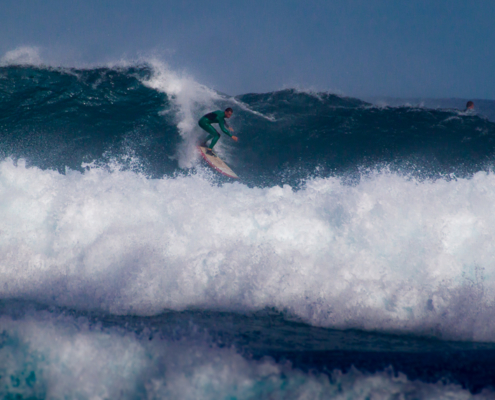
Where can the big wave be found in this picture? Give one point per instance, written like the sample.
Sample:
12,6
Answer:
64,117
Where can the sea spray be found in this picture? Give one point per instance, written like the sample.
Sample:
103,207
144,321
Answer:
390,253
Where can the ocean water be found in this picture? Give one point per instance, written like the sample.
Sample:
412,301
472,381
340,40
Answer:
354,259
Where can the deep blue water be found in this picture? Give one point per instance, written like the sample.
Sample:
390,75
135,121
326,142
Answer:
353,259
61,118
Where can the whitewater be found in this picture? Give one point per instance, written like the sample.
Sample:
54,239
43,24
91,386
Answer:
353,259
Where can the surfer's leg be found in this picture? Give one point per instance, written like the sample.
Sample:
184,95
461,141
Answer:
213,134
214,140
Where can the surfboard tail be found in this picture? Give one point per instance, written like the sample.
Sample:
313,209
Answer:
216,163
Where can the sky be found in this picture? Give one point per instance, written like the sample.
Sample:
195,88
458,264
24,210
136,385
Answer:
397,48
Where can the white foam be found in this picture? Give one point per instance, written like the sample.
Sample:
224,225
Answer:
191,100
23,55
67,360
53,356
388,254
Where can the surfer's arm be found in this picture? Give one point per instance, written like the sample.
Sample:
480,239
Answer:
222,124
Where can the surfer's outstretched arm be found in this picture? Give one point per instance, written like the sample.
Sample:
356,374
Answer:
223,127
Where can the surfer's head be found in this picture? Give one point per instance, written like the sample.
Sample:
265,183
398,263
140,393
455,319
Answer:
228,112
469,105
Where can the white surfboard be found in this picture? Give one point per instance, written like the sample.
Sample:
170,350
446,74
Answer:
216,163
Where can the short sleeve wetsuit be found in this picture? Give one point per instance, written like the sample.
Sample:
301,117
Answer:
215,117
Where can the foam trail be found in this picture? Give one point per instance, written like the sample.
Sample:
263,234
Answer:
54,356
245,107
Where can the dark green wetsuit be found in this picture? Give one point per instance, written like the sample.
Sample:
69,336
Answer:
215,117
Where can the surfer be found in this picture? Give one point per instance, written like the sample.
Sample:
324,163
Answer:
216,117
469,106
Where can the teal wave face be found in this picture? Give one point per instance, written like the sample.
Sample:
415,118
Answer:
58,118
339,135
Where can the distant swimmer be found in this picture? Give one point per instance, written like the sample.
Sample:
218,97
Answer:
469,106
216,117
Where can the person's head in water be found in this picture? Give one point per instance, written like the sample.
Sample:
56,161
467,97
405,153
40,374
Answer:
469,105
228,112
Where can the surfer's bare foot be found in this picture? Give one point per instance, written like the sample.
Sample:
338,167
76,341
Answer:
210,152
